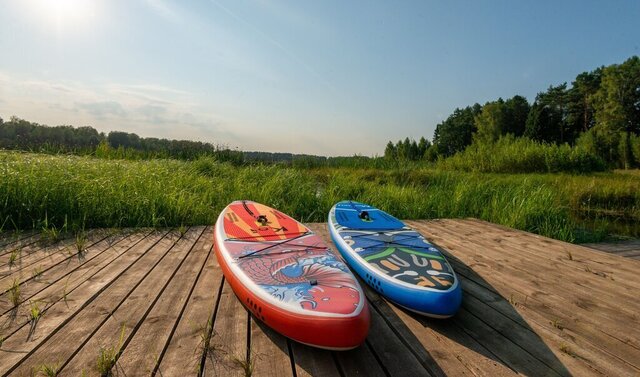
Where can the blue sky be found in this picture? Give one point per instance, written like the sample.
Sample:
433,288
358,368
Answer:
319,77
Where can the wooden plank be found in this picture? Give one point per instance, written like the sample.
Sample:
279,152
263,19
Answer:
629,253
119,312
269,352
396,357
508,352
107,285
184,353
454,351
556,254
510,280
360,361
30,289
19,239
229,336
613,247
61,290
79,286
534,287
495,266
38,262
145,350
311,361
580,356
436,343
558,251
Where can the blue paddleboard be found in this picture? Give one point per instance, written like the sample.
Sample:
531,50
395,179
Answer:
394,259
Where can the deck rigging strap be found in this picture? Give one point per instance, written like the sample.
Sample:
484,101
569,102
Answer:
393,242
283,243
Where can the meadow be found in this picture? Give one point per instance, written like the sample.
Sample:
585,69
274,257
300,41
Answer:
71,193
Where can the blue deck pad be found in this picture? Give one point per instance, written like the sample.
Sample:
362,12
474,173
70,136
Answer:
348,215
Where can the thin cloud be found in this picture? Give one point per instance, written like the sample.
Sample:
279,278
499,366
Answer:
147,109
103,110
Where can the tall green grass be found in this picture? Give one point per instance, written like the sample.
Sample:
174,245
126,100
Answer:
522,155
84,192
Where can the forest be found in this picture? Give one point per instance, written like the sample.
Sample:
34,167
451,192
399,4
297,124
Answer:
597,117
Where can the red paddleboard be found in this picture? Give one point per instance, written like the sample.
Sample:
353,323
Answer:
288,278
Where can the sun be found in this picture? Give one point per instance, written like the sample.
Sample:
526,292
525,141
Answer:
66,14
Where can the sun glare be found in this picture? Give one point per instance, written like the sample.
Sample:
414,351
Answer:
66,15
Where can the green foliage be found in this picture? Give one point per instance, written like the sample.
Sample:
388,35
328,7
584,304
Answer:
580,112
456,132
108,356
521,155
14,293
13,257
407,150
28,136
90,192
617,100
491,122
593,112
48,370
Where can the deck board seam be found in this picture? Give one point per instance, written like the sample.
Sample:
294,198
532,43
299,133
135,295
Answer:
401,338
291,358
542,326
107,317
110,315
214,313
560,310
184,307
75,269
155,301
82,307
62,324
51,266
377,357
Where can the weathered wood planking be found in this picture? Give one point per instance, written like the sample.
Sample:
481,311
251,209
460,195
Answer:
629,249
531,305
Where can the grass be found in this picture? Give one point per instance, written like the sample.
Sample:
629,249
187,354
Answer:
521,155
245,364
108,356
48,370
207,349
65,293
35,313
81,242
13,257
71,193
36,273
14,293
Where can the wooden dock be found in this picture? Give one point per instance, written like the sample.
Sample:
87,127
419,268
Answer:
627,248
157,300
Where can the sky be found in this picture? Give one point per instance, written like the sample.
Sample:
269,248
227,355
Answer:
317,77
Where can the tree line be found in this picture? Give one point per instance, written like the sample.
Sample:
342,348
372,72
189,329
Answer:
599,113
21,134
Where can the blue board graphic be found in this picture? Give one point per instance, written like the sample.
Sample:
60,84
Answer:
395,260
